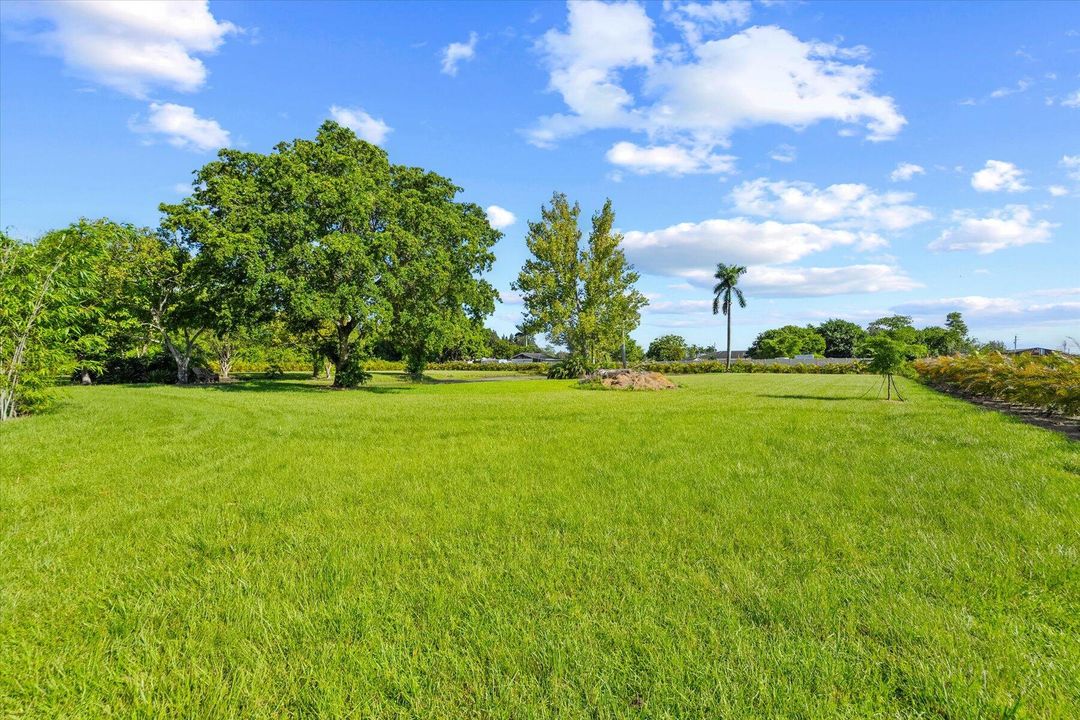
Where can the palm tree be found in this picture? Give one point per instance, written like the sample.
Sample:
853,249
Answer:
728,276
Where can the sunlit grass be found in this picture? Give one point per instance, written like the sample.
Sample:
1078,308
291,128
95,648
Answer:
747,545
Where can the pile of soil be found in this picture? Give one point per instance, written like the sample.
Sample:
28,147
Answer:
632,380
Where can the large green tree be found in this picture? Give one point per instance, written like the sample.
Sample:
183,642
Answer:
332,227
786,342
841,337
582,297
226,227
441,249
725,291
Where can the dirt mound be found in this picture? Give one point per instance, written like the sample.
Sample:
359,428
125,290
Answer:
632,380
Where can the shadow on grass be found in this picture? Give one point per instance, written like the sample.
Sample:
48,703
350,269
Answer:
814,397
285,385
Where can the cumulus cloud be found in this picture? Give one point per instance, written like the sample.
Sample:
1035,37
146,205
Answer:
182,128
763,75
846,204
793,281
499,217
128,46
819,281
456,53
993,311
905,171
668,159
1072,100
1012,226
1058,190
688,250
374,130
695,20
999,175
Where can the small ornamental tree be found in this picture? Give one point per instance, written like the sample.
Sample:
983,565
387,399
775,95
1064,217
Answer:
887,358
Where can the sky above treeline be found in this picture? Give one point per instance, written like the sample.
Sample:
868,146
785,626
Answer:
861,159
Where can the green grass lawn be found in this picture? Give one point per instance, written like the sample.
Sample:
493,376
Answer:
744,546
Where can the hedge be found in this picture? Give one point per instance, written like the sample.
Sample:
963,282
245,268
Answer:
1050,382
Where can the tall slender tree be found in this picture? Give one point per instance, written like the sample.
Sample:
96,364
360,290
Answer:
727,287
580,297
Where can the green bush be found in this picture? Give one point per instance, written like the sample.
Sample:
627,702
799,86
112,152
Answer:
351,375
571,368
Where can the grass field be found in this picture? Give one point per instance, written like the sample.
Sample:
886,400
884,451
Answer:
744,546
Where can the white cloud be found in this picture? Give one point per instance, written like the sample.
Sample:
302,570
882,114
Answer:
697,97
129,46
669,159
1011,226
456,53
374,130
1021,86
1072,100
905,171
1058,190
784,153
993,311
847,204
999,175
500,218
695,19
688,250
182,128
819,281
1071,163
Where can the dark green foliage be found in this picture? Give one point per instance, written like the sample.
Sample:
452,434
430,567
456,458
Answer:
841,337
575,366
158,367
351,374
667,347
787,342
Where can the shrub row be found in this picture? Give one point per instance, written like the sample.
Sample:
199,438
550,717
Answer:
718,366
1050,382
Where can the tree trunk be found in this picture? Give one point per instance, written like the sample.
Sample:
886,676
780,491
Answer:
729,337
225,355
182,362
7,404
343,350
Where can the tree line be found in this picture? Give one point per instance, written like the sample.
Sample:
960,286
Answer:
320,249
838,338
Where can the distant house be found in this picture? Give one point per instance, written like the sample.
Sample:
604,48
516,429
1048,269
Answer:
532,357
1036,351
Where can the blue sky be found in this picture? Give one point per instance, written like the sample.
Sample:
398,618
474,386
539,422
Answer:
861,159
